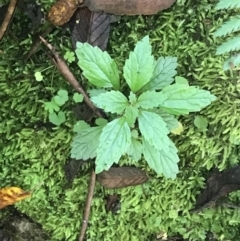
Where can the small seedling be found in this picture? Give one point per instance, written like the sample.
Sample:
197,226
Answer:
69,56
56,116
139,122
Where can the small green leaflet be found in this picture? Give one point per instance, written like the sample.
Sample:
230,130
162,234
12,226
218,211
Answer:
201,123
85,143
69,56
61,98
114,142
78,98
98,67
57,118
101,122
112,101
135,149
131,114
80,125
180,80
138,69
185,98
38,76
162,161
132,98
164,71
150,99
134,133
51,106
154,129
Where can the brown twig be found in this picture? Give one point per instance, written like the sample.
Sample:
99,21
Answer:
65,71
38,41
7,19
91,187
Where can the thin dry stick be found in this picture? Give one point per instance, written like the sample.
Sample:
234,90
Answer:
38,41
11,8
91,187
65,71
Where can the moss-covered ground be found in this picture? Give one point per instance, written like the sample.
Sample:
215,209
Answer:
33,152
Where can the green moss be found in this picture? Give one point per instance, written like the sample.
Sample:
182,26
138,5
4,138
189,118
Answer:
33,153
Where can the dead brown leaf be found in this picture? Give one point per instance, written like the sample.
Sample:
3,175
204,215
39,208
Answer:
11,195
119,177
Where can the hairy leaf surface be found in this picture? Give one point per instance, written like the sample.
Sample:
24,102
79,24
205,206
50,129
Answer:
162,161
170,120
131,114
85,143
150,99
112,101
164,71
98,67
114,142
139,67
135,149
185,98
154,129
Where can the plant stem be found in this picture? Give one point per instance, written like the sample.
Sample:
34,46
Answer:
7,19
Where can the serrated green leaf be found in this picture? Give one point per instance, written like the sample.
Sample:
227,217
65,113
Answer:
170,120
135,149
232,44
181,80
51,106
232,25
134,133
201,123
150,99
138,68
162,161
131,114
112,101
132,98
154,129
98,67
78,98
182,99
57,118
85,143
80,125
223,4
114,142
164,71
101,122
